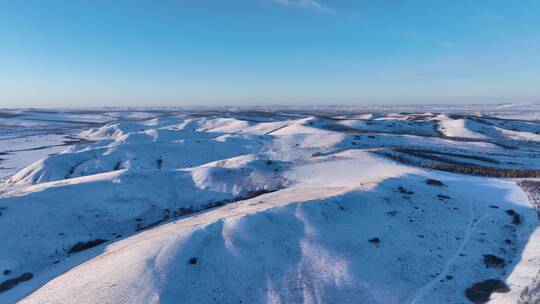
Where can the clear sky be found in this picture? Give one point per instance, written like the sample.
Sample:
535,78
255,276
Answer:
250,52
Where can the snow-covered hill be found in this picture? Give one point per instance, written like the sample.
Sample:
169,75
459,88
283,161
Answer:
257,207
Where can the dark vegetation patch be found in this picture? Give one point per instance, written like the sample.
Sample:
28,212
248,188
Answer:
193,261
8,284
404,191
442,197
159,163
532,188
434,182
183,211
72,169
76,141
9,115
165,216
420,117
64,143
516,218
481,291
493,261
390,128
7,272
374,240
442,164
424,152
249,195
392,213
80,246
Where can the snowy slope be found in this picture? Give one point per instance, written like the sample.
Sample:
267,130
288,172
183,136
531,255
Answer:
311,243
459,128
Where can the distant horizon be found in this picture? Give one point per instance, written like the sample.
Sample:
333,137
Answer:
278,106
209,53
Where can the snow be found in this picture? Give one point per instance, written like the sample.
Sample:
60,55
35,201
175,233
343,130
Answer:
347,169
457,128
528,136
272,209
296,245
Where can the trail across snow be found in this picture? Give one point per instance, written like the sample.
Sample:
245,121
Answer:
469,231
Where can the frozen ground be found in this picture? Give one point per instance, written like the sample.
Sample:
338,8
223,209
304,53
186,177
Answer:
270,205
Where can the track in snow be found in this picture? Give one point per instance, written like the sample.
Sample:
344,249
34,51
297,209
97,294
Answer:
471,228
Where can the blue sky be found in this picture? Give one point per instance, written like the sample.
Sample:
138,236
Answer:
250,52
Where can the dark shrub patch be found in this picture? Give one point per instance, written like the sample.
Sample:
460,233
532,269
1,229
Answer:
374,240
7,271
165,216
481,291
434,182
193,261
493,207
493,261
216,204
516,218
80,246
392,213
8,284
443,197
183,211
402,190
434,161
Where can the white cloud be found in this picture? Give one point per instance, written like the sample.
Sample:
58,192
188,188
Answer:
305,4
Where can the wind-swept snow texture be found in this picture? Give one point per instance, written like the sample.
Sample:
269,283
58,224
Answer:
268,206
